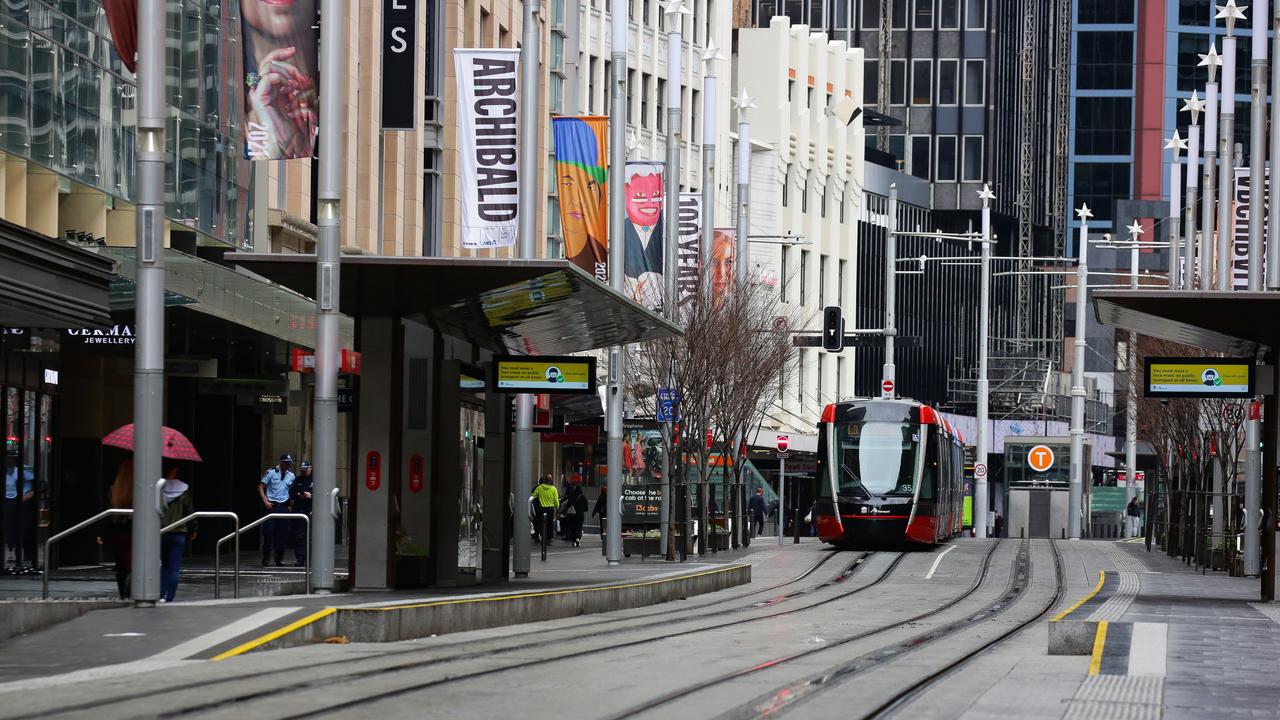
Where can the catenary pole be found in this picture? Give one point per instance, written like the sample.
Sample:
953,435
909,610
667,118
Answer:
1257,221
1273,228
982,442
1226,143
530,92
148,373
890,293
1204,249
709,88
1195,106
617,260
1078,472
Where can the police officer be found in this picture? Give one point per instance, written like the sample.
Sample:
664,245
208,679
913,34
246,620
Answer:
303,486
274,491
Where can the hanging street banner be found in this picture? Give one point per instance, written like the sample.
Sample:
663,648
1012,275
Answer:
582,180
1204,377
488,147
544,374
690,249
281,80
1241,214
724,248
399,64
643,233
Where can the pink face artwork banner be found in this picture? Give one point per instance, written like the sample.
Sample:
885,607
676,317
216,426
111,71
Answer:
643,232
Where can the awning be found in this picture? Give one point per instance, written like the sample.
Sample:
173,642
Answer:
536,307
47,283
1236,323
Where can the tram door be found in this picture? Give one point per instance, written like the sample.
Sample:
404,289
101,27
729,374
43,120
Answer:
471,476
1038,513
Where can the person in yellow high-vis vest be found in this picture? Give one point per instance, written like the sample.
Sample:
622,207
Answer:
547,500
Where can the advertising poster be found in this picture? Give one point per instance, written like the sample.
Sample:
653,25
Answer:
488,147
724,249
643,235
281,78
581,145
641,465
1199,377
1241,213
690,248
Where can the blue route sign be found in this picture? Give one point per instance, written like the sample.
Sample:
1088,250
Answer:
668,405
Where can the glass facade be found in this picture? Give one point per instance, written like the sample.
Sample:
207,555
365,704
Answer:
67,103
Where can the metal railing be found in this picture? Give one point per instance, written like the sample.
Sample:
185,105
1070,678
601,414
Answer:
217,551
209,514
74,528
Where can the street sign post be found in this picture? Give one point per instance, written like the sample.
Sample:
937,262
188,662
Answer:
784,442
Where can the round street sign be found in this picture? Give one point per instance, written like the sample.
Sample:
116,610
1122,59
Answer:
780,324
886,386
783,442
980,470
1040,458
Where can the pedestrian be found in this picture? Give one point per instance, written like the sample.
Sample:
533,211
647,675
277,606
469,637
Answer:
756,510
999,525
178,504
601,510
16,506
300,493
274,491
1133,513
546,500
574,512
120,530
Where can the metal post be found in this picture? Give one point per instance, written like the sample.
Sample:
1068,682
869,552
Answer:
1131,399
148,372
1270,436
616,400
708,163
1273,228
674,10
1257,143
530,91
333,98
1074,499
1195,105
1205,242
782,494
890,293
1175,209
1253,482
1226,159
742,255
981,500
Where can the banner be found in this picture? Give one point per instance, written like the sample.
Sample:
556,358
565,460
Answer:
488,151
1241,213
689,252
281,79
399,63
724,249
643,233
582,145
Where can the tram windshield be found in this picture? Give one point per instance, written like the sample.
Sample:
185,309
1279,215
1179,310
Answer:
878,458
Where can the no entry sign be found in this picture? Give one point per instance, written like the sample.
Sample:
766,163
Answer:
783,443
886,386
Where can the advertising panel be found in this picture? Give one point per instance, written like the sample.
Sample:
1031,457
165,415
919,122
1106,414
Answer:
643,234
1199,377
582,179
488,146
281,78
543,373
1241,213
399,63
689,250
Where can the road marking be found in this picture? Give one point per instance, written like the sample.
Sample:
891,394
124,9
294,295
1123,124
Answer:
1099,642
1148,649
1102,575
124,634
281,632
934,568
199,644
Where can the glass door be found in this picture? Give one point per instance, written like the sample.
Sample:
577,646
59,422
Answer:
470,494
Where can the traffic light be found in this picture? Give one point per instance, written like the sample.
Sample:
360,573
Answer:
832,329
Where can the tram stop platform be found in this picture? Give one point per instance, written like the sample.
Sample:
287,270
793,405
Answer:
108,641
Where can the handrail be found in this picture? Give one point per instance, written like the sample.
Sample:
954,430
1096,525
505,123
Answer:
333,504
210,514
217,551
78,526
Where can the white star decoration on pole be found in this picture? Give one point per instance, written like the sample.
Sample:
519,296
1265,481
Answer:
674,7
1195,106
1211,60
1084,213
711,56
1175,143
1231,13
744,101
1135,230
985,194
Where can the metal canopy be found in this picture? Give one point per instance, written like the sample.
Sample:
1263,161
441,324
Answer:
535,307
1236,323
47,283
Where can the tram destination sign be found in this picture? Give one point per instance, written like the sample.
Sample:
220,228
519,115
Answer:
543,374
1199,377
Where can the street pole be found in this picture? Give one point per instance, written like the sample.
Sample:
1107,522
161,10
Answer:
1175,209
890,293
674,10
1273,228
1257,220
1195,106
148,372
1226,142
1074,499
616,400
981,500
708,164
744,103
530,91
328,258
1204,250
782,494
1131,399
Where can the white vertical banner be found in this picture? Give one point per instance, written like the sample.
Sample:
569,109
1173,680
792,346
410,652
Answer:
689,249
488,145
1241,214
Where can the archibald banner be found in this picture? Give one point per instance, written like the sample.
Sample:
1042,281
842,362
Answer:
582,179
489,150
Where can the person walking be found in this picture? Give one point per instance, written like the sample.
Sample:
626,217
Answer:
178,504
300,494
274,491
546,499
601,510
1133,516
756,510
575,513
120,530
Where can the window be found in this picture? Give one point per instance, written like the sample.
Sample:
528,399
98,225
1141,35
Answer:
1100,185
1103,125
1116,11
921,82
631,96
660,121
608,87
898,148
800,377
840,284
949,14
809,99
791,91
900,15
973,160
921,155
897,82
974,81
1104,60
818,392
804,277
948,79
871,82
822,202
804,205
975,14
946,158
695,125
591,84
646,91
822,281
786,186
785,280
924,14
1190,75
870,15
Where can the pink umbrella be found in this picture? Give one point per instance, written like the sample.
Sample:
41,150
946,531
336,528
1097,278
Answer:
175,445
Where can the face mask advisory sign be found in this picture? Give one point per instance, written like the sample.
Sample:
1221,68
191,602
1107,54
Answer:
1204,377
544,373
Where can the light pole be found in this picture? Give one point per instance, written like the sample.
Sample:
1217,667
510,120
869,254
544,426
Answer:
1226,142
888,374
1195,106
616,400
1273,228
1176,144
1076,495
982,441
743,103
1131,359
1257,139
710,58
1204,247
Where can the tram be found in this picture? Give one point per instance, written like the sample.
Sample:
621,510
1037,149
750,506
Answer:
890,471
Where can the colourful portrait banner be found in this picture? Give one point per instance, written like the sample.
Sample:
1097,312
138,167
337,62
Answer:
643,232
281,78
581,145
